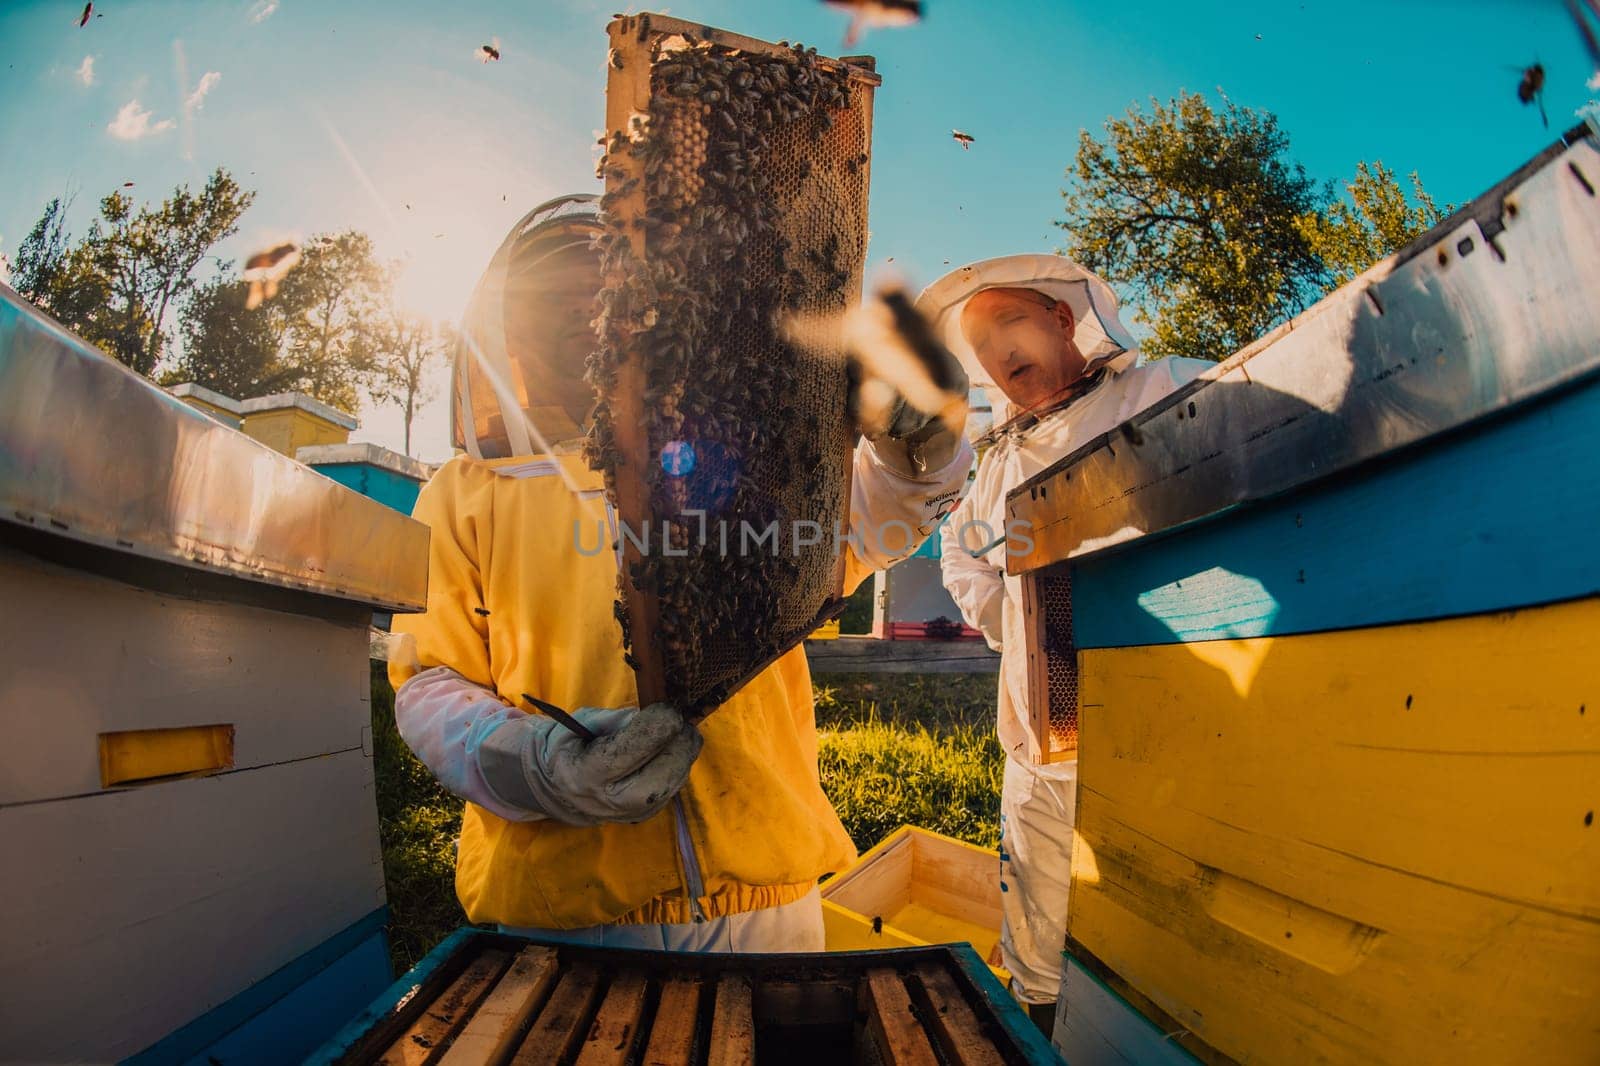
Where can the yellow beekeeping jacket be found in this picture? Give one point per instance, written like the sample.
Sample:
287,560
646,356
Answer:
515,606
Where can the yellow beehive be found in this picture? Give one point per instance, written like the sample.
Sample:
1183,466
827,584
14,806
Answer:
289,421
917,887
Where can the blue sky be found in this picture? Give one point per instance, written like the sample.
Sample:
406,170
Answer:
376,115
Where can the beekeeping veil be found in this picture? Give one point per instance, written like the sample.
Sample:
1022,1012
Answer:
1098,332
517,385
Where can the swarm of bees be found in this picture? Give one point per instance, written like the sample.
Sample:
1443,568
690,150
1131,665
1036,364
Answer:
735,438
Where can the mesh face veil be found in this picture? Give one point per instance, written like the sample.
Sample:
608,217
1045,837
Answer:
517,385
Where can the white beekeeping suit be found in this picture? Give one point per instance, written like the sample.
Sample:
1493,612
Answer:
1038,801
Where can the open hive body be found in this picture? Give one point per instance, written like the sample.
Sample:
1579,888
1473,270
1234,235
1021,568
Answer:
736,196
917,887
486,999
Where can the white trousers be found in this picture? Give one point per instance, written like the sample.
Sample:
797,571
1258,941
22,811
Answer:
1038,810
792,927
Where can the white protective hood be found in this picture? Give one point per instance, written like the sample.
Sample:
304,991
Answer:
1099,334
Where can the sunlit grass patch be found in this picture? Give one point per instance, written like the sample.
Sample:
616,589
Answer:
880,776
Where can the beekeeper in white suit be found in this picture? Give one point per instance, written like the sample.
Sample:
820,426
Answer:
1040,333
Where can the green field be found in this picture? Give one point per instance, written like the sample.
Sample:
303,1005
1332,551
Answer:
896,749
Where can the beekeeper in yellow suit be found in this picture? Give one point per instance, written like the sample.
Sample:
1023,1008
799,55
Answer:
1041,335
657,834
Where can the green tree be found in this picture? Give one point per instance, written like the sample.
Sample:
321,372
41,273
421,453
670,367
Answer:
1218,236
334,297
235,351
316,336
1377,221
53,274
404,348
1196,210
116,286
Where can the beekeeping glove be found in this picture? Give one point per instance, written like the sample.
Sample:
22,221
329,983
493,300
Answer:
931,446
637,763
909,392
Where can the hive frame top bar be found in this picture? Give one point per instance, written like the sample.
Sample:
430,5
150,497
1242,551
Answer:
1491,309
649,24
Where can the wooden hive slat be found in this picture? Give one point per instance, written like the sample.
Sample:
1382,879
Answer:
892,1025
951,1020
733,1026
677,1017
420,1044
616,1027
497,1023
565,1019
628,94
494,999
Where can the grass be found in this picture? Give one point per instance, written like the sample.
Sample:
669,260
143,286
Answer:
418,822
895,749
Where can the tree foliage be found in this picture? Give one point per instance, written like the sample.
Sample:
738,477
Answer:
1200,214
336,298
333,330
405,349
1195,210
117,286
313,336
235,351
51,273
1377,221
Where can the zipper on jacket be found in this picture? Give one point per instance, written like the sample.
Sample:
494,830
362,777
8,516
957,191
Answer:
696,886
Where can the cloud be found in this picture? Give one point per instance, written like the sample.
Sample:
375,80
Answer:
133,123
208,81
262,10
86,70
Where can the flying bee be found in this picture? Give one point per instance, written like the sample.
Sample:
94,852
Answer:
265,269
489,53
1531,89
963,139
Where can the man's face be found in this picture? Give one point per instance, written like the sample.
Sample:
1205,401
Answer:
1024,341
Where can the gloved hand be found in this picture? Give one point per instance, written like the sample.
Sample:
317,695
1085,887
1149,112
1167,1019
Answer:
909,395
638,762
930,446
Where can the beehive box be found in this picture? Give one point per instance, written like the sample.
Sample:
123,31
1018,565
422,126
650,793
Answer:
735,210
917,887
193,866
485,999
1329,627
